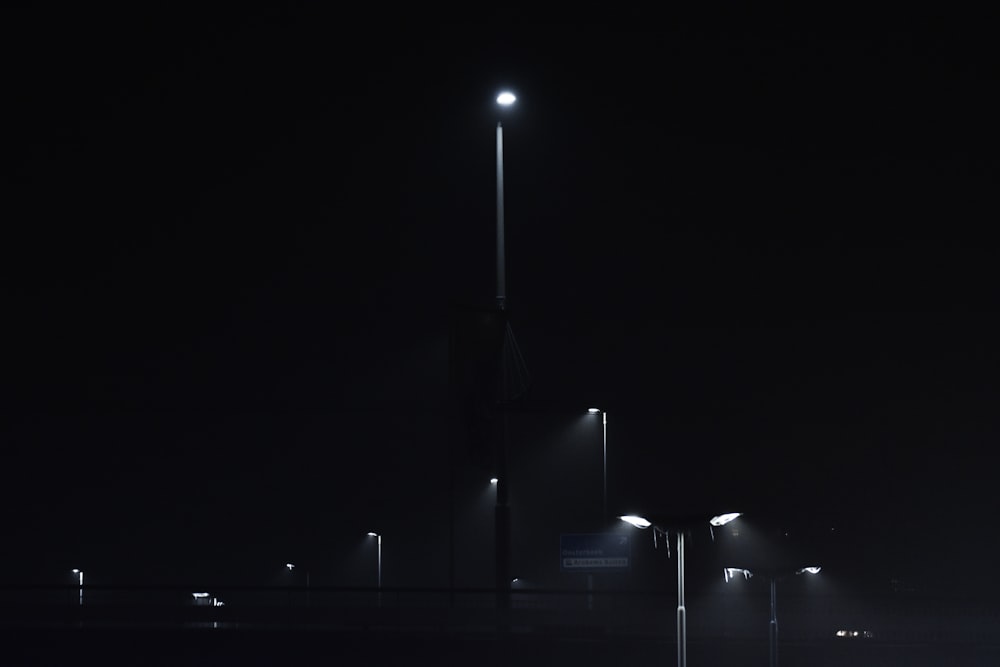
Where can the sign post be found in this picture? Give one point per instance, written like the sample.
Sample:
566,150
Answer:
594,552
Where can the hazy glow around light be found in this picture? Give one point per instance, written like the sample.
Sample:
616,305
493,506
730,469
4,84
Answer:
810,570
506,98
594,411
723,519
636,521
493,480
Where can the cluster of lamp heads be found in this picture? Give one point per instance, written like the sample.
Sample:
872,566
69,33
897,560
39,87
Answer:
718,520
730,573
715,521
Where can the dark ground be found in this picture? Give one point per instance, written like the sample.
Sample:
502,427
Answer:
634,630
44,648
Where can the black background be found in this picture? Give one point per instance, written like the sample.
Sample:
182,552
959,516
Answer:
233,239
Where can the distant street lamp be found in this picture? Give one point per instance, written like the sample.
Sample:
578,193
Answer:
80,572
604,421
290,567
378,537
679,525
204,598
732,572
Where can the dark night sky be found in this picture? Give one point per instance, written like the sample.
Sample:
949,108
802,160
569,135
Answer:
232,241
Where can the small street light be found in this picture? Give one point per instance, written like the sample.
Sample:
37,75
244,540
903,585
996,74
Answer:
604,424
291,567
378,537
80,572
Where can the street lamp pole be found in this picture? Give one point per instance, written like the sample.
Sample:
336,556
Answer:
681,608
502,511
680,527
290,567
604,427
378,538
604,435
504,99
501,277
772,629
80,572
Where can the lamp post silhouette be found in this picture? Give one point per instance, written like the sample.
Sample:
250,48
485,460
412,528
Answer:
290,567
80,572
504,99
378,538
513,381
679,525
772,576
604,456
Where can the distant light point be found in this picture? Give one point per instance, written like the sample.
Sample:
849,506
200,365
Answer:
506,99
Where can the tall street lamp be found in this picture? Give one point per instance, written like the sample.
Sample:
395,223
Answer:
604,424
502,511
504,99
378,538
732,572
679,525
80,572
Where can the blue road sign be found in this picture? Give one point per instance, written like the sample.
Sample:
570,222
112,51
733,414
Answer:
592,552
